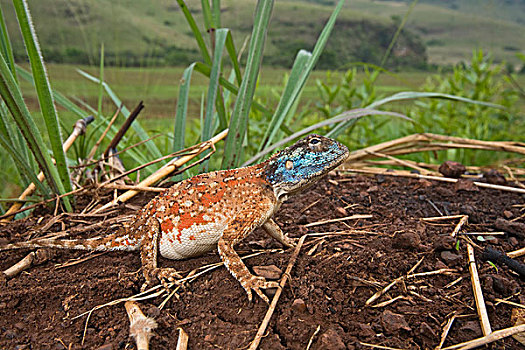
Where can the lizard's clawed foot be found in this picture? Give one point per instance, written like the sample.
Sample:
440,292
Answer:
164,275
290,242
256,283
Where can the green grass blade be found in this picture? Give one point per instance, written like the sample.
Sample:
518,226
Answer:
290,93
101,79
230,47
206,15
239,118
179,131
45,98
23,167
5,44
410,95
343,117
196,32
141,133
303,66
12,96
213,88
216,13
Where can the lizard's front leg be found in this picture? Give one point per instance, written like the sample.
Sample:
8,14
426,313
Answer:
275,231
239,228
149,249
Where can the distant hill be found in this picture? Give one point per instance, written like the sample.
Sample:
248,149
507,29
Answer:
145,32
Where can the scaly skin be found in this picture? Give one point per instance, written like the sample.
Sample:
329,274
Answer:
217,209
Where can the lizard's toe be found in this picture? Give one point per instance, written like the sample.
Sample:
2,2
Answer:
255,284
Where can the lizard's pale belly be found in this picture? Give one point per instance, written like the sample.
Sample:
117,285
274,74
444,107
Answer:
191,241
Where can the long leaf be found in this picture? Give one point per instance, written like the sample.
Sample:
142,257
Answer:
5,44
290,93
196,32
410,95
301,70
12,96
179,131
45,98
213,87
343,117
239,118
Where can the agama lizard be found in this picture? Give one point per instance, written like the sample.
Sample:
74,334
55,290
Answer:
216,209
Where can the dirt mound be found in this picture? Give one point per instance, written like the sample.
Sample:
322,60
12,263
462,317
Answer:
337,271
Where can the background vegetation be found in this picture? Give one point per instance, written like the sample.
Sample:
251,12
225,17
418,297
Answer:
220,82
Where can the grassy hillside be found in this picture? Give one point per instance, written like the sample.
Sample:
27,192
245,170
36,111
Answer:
143,32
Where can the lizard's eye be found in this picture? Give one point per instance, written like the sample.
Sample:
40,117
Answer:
315,144
288,165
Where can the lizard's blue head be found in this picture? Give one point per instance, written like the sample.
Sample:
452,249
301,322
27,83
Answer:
303,163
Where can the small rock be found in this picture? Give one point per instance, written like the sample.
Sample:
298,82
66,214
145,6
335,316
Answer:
373,189
407,240
508,214
512,241
108,346
303,220
494,177
471,327
10,334
153,311
444,192
299,305
341,211
365,330
450,258
271,272
380,178
445,242
20,326
392,322
501,285
426,331
331,340
425,183
465,185
452,169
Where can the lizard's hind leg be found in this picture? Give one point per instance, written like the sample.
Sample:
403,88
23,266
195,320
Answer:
149,249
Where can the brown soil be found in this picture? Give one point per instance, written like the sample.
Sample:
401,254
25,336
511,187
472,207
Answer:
330,282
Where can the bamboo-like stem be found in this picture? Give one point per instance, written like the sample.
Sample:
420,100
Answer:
478,293
492,337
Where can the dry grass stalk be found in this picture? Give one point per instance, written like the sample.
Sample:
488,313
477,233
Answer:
79,129
492,337
440,218
164,171
351,217
182,342
312,337
478,293
498,301
135,188
390,301
516,253
378,294
403,162
460,224
379,346
20,266
140,327
446,329
404,173
262,328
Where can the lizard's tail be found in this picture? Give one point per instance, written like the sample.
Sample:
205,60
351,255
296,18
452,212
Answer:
103,243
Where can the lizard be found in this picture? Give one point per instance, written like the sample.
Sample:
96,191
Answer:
216,209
